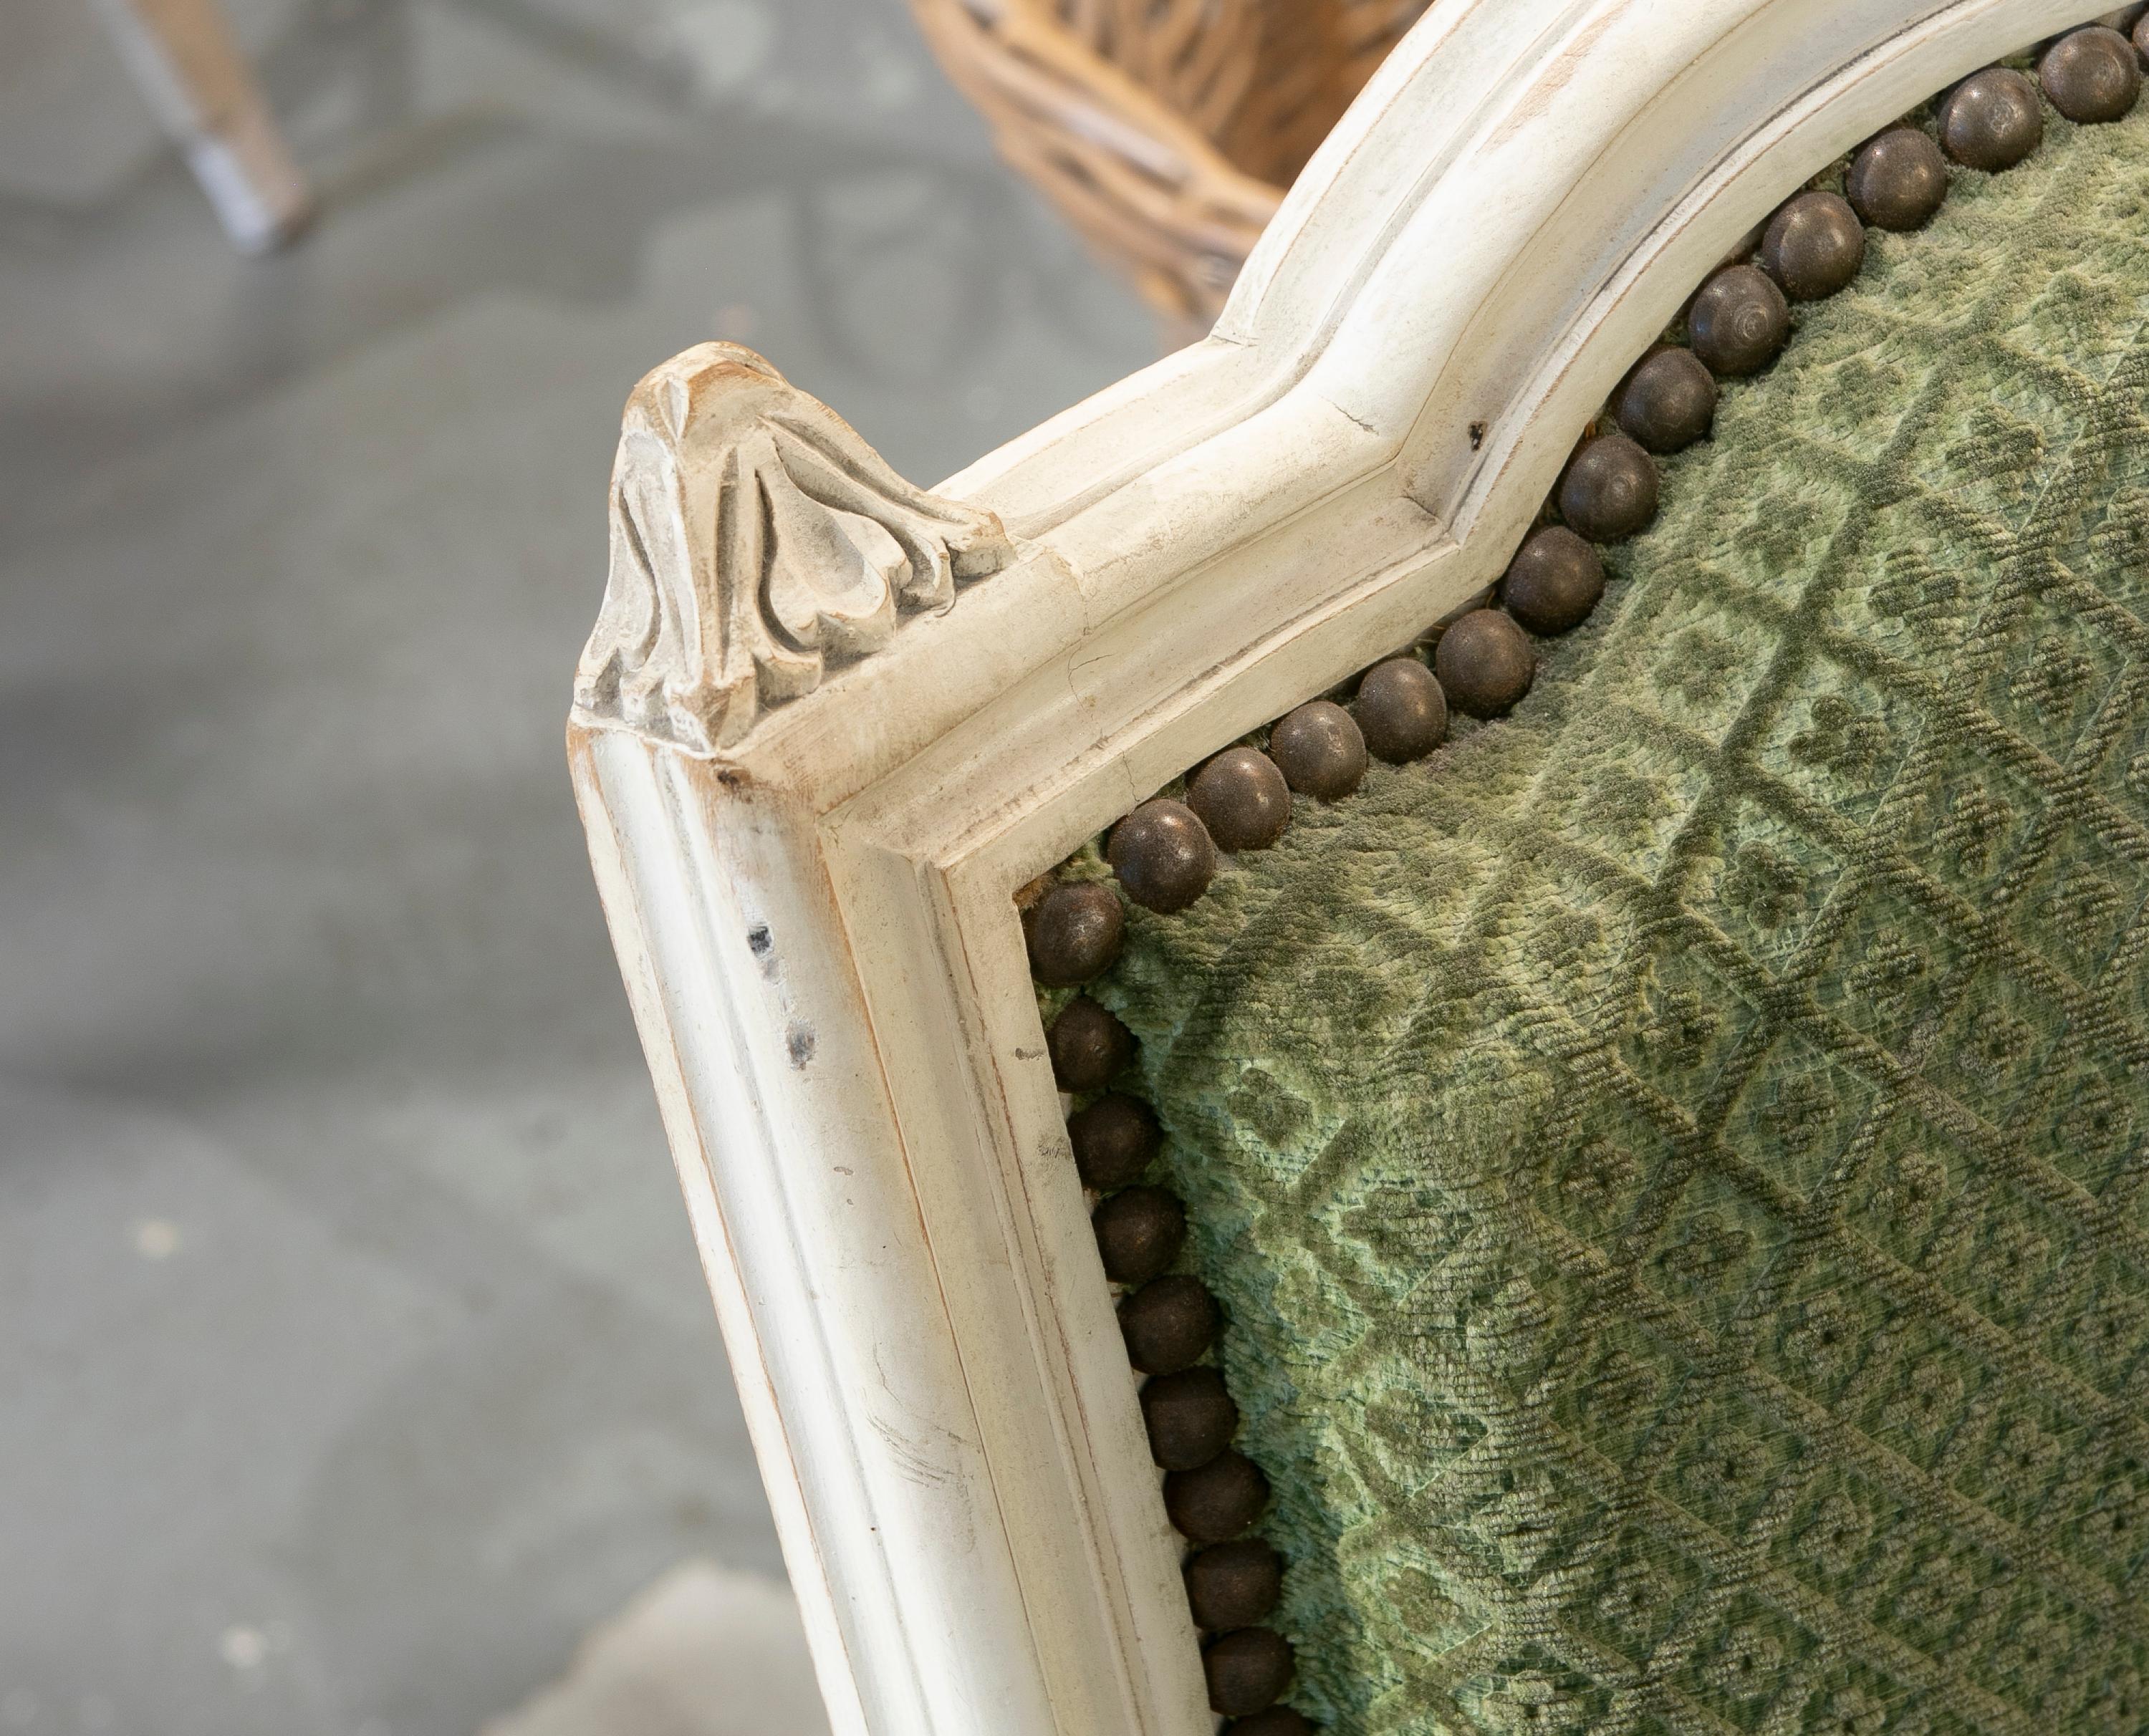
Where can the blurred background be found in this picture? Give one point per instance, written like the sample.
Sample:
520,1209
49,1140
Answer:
356,1378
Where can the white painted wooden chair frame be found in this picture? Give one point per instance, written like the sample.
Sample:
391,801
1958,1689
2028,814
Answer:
813,897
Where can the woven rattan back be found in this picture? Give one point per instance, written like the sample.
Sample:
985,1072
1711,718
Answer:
1165,130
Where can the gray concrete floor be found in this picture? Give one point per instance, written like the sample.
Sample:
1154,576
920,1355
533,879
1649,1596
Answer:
353,1361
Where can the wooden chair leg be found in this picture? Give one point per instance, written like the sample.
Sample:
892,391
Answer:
188,63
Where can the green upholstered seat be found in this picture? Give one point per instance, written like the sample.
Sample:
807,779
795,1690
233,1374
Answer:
1673,1163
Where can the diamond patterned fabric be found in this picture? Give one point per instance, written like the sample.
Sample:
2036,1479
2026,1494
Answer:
1673,1163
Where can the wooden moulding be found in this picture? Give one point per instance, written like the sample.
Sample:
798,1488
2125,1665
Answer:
830,724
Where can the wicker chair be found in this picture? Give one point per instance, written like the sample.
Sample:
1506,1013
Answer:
1165,132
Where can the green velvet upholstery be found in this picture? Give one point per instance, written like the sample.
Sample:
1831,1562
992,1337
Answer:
1673,1163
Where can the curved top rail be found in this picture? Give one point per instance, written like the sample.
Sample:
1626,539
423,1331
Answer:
1519,200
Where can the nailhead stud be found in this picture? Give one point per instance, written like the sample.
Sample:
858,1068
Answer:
1214,1502
1074,933
1089,1045
1191,1418
1401,710
2092,74
1992,120
1897,181
1319,750
1163,855
1738,321
1553,582
1234,1585
1114,1140
1242,799
1139,1231
1609,492
1248,1671
1814,244
1669,401
1169,1324
1486,662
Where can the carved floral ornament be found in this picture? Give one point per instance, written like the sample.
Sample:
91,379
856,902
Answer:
756,542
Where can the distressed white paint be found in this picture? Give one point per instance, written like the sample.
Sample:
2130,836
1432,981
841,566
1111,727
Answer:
817,925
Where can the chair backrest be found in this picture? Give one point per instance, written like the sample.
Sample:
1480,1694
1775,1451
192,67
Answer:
1166,133
832,729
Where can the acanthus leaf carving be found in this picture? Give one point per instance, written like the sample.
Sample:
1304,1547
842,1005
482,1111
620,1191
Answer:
756,542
